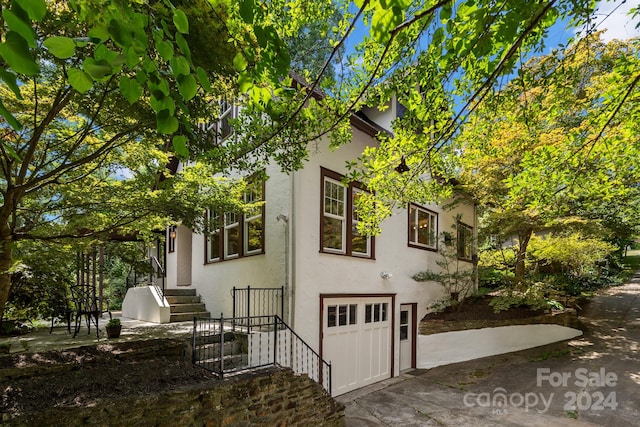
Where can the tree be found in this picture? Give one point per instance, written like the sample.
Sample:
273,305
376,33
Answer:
142,53
544,151
92,93
98,97
457,278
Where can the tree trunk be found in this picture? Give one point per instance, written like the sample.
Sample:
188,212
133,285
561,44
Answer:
6,253
523,241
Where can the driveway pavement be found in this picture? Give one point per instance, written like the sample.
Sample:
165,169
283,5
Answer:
591,380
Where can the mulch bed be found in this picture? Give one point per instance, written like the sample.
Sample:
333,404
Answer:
32,382
478,308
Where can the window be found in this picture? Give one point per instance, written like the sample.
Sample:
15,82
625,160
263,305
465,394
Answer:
376,312
340,219
404,325
227,113
219,130
342,315
423,228
465,239
253,220
233,235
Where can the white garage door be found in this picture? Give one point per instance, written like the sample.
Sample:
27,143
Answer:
357,341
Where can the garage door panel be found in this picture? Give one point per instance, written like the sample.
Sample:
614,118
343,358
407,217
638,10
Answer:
376,345
343,364
358,345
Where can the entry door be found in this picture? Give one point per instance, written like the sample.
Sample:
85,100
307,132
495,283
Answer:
407,333
356,339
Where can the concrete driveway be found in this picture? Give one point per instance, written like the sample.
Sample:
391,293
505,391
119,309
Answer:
591,380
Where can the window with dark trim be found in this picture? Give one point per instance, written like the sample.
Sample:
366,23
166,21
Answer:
465,241
233,235
342,315
423,228
339,218
219,129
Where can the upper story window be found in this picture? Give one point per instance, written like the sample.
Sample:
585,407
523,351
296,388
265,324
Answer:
465,241
220,129
233,235
227,113
423,228
339,218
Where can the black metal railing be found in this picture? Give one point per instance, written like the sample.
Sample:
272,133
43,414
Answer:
220,346
253,302
148,272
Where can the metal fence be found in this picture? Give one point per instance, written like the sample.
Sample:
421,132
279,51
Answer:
223,347
250,303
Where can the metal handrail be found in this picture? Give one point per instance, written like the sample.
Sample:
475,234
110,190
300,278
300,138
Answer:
263,341
160,289
150,278
154,260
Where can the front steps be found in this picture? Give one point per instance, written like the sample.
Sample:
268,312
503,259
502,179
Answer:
185,305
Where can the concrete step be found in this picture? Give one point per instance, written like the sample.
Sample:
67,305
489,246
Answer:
185,317
179,299
180,292
188,308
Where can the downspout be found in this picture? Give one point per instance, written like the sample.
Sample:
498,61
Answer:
475,239
291,258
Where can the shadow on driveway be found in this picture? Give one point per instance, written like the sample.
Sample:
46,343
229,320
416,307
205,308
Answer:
591,380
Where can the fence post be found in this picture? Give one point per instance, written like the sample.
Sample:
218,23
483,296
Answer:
282,302
193,349
233,297
221,345
248,305
275,339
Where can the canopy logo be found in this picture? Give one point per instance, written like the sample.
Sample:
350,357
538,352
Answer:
594,393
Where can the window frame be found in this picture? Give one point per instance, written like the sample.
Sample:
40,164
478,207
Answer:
241,223
411,234
226,111
348,215
466,242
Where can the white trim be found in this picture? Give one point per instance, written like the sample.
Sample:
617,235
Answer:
335,216
432,223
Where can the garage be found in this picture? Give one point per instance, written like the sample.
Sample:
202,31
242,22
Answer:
357,338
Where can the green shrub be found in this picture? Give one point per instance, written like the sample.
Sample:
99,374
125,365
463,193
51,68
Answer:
572,254
532,295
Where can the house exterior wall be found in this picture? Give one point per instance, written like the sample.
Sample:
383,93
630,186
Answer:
292,255
318,273
383,118
215,281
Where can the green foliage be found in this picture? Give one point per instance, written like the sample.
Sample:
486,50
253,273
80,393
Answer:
533,295
574,254
40,280
113,322
455,276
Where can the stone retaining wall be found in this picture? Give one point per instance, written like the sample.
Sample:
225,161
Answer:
273,397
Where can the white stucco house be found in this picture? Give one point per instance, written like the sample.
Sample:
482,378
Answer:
350,297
